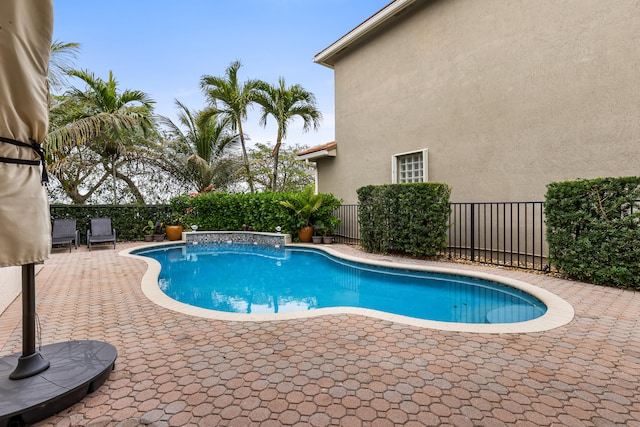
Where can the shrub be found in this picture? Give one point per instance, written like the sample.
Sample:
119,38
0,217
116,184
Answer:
304,204
593,230
128,220
261,211
404,218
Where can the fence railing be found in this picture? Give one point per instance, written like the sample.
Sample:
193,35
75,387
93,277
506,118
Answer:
349,230
509,234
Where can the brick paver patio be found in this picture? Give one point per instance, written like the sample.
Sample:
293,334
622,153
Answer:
346,370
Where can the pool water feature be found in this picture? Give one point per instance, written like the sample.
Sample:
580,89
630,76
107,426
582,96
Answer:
255,279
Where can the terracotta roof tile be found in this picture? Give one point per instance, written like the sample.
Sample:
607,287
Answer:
328,146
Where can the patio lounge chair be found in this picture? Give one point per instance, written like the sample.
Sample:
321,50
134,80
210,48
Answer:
101,231
65,233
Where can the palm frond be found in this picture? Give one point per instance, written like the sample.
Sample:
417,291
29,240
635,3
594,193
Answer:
61,60
81,131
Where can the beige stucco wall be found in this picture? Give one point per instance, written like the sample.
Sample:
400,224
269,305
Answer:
506,95
10,285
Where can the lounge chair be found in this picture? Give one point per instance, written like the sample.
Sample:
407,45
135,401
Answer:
101,231
65,233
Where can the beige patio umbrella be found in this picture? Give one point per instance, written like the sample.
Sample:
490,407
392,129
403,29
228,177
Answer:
33,387
26,28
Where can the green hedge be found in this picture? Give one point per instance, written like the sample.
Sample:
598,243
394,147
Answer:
128,220
210,211
262,211
404,218
593,230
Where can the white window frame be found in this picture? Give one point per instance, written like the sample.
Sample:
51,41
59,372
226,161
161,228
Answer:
425,165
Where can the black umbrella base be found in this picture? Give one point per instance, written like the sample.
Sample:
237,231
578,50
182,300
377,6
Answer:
77,369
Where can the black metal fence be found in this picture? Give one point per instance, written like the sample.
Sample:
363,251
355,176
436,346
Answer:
509,234
349,230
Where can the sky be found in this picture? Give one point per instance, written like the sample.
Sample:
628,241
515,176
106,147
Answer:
164,47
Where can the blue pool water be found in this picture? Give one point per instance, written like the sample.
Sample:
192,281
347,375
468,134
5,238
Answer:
246,278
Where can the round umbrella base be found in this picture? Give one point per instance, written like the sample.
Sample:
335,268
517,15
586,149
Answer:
29,366
77,368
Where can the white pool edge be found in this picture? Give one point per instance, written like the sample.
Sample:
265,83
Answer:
559,312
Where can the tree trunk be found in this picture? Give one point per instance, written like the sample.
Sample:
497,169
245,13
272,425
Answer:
72,190
132,186
276,154
113,166
245,157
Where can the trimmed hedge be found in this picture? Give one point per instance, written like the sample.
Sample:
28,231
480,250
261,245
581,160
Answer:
262,211
210,211
128,220
593,230
404,218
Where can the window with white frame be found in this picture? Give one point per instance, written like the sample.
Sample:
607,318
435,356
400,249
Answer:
410,167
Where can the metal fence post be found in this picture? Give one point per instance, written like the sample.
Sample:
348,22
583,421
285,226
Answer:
473,232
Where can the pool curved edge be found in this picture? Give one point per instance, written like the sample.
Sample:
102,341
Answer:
559,312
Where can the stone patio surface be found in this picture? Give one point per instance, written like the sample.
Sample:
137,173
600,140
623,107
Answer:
342,370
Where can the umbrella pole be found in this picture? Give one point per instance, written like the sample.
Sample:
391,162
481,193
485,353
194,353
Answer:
31,362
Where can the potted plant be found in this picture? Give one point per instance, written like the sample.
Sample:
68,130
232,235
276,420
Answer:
318,229
328,237
304,204
329,229
148,231
174,231
158,232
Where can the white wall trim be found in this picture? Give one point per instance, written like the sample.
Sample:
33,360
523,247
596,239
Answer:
325,56
425,164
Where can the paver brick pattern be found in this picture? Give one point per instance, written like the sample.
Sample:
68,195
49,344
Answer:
338,370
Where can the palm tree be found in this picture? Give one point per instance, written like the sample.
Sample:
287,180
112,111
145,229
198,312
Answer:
227,96
284,104
60,62
102,118
201,148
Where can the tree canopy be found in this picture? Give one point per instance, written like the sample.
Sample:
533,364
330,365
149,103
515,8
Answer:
106,144
285,104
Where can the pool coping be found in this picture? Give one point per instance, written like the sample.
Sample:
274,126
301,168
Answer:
559,312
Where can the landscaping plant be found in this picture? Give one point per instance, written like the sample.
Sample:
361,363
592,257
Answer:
404,218
593,229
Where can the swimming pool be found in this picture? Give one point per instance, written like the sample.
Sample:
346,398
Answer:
263,282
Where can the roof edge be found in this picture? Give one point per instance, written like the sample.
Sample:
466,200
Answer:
389,11
318,152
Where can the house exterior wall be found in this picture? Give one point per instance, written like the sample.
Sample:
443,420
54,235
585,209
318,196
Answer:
507,97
